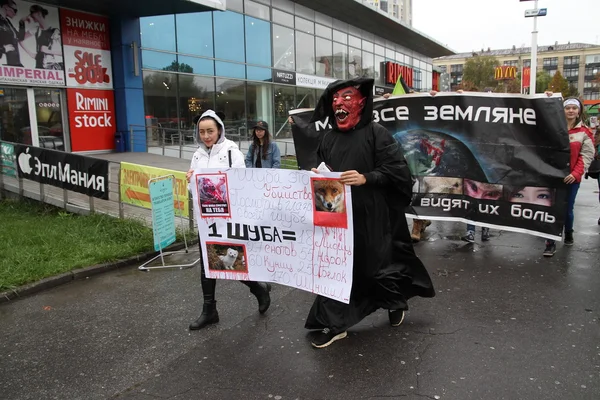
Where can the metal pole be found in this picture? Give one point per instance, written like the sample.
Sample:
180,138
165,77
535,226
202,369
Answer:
533,74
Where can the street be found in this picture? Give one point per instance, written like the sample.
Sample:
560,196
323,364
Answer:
505,324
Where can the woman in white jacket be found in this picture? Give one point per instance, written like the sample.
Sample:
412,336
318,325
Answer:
215,151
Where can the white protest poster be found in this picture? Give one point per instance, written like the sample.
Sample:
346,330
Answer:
283,226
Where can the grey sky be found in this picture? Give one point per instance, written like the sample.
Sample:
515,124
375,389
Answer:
466,25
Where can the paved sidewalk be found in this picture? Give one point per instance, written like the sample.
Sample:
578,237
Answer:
506,324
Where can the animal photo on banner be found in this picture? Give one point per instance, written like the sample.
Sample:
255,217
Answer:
226,257
329,199
213,195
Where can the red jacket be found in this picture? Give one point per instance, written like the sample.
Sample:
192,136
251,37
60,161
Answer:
582,150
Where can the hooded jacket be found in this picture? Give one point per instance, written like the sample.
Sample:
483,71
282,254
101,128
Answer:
582,150
219,155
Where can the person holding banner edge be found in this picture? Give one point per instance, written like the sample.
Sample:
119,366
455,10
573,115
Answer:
386,270
582,153
216,151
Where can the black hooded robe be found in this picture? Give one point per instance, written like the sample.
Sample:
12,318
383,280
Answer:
386,270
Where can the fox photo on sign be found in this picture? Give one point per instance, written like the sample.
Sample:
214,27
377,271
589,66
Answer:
268,225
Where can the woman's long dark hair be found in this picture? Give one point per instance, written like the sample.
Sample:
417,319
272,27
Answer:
265,144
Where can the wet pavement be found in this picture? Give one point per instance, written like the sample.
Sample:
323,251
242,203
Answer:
505,324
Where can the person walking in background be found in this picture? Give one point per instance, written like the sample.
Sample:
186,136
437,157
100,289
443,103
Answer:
215,151
582,153
263,153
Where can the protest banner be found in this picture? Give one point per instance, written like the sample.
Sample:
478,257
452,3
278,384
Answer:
289,227
494,160
134,186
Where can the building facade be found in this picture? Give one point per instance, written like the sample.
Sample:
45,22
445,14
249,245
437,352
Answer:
260,59
397,9
579,63
75,74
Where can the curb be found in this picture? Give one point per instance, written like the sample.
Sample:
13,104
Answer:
81,273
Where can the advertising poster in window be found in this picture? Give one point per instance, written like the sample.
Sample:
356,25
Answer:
30,45
493,160
91,119
86,43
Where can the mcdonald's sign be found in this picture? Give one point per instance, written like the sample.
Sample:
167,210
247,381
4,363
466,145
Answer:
505,72
393,70
526,77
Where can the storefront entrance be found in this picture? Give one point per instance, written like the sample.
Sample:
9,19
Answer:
34,116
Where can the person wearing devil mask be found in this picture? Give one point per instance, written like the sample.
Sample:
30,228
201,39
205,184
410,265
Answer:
386,271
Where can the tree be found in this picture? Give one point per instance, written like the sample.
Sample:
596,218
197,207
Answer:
542,80
479,71
559,84
572,91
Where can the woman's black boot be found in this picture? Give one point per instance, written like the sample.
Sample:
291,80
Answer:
261,291
209,316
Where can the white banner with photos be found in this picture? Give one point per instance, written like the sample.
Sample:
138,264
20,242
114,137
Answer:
270,225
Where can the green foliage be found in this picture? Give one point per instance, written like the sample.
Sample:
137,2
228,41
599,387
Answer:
559,84
38,241
542,81
479,72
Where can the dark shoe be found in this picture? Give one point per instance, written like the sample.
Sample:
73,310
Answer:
469,237
550,249
209,316
485,234
569,238
598,221
325,337
396,317
261,291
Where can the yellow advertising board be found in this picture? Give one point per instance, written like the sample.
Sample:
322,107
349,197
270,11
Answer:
134,186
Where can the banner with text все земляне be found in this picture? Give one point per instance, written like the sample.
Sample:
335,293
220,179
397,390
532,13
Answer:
488,159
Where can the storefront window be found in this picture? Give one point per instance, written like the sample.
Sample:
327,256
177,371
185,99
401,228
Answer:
368,64
305,53
284,101
305,26
160,103
283,47
323,31
258,74
157,60
379,71
340,60
14,116
158,32
259,101
324,57
196,95
231,100
258,42
193,65
256,10
48,109
230,70
340,37
229,36
305,98
195,34
354,63
283,18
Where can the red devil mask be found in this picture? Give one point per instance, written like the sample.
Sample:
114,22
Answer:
348,105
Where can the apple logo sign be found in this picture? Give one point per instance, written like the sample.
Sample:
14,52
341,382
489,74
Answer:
25,162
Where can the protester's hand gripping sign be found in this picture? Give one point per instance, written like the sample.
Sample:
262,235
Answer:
282,226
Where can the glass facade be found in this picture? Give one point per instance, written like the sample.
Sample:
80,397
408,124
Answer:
225,61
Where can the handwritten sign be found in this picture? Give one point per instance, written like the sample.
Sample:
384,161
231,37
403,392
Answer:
288,227
163,212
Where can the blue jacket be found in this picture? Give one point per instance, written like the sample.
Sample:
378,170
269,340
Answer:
273,157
